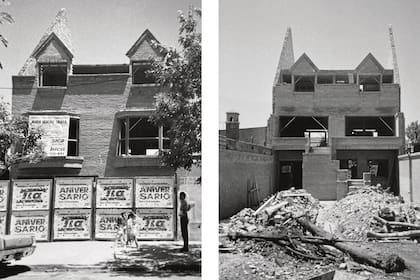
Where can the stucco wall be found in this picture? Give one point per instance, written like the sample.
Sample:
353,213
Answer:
406,176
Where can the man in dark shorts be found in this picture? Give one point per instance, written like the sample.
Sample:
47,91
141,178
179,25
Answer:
183,215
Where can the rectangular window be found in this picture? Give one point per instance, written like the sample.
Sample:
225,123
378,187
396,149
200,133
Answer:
51,74
369,83
370,126
296,126
73,141
325,79
305,83
342,79
140,75
138,136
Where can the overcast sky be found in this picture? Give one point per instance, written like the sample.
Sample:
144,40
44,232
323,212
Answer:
102,30
335,34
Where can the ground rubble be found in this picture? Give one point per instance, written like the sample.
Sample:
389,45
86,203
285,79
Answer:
275,231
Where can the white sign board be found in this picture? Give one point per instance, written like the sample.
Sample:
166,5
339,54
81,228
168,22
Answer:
114,193
155,223
3,216
72,224
4,191
73,192
31,194
106,223
154,192
55,133
30,222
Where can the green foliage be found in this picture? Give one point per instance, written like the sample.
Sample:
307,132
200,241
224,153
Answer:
413,132
178,105
17,142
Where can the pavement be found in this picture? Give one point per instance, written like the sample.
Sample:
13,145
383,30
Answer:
103,259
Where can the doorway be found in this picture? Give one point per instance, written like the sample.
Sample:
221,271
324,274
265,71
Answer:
290,175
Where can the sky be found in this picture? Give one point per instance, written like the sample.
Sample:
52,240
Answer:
334,34
102,30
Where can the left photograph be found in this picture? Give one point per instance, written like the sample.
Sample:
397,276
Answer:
100,139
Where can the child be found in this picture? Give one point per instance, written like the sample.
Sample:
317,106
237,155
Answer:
131,232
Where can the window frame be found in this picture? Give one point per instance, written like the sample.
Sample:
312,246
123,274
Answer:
141,63
51,64
76,139
126,139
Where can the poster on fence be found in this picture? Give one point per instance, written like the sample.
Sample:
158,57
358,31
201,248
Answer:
154,192
73,192
106,223
31,194
30,222
72,224
155,223
55,133
114,193
4,191
3,216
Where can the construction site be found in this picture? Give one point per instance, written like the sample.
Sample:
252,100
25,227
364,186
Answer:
322,191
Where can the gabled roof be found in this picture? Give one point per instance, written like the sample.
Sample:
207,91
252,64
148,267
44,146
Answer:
368,62
51,37
304,59
146,35
60,28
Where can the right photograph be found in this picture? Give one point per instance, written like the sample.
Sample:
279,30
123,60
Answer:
319,140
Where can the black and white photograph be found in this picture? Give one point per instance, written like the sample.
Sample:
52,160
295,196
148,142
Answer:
319,140
100,139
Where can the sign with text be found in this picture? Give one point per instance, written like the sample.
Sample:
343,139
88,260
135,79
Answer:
3,216
155,223
30,222
114,193
4,191
31,194
154,192
55,133
73,192
72,224
106,223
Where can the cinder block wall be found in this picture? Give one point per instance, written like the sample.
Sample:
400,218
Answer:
239,168
96,99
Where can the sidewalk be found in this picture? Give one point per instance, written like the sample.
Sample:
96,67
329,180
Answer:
151,257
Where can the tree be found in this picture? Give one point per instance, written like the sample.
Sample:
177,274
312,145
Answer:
178,105
5,18
18,143
413,134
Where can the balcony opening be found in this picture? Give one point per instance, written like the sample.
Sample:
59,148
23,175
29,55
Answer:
140,73
305,83
325,79
370,126
342,79
53,75
297,126
370,83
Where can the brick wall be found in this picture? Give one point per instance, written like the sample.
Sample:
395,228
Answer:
241,166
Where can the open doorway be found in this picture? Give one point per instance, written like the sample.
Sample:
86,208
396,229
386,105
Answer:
290,174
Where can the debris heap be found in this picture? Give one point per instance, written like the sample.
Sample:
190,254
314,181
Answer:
354,216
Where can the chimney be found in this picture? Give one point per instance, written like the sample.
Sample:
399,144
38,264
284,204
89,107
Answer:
232,125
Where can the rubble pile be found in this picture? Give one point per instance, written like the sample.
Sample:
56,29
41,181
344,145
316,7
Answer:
277,214
354,216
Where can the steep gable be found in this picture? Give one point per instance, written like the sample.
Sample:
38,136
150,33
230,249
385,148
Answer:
52,50
143,48
304,65
370,65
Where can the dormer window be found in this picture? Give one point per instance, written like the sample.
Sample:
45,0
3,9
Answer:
53,74
305,83
139,73
370,83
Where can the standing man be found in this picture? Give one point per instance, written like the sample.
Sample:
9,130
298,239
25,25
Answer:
183,214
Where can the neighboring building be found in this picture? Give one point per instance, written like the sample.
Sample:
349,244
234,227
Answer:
333,129
95,124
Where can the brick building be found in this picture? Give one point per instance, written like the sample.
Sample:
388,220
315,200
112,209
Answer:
331,130
95,124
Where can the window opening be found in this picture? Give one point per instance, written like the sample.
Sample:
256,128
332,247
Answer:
325,79
370,126
369,83
53,75
140,75
304,83
73,141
